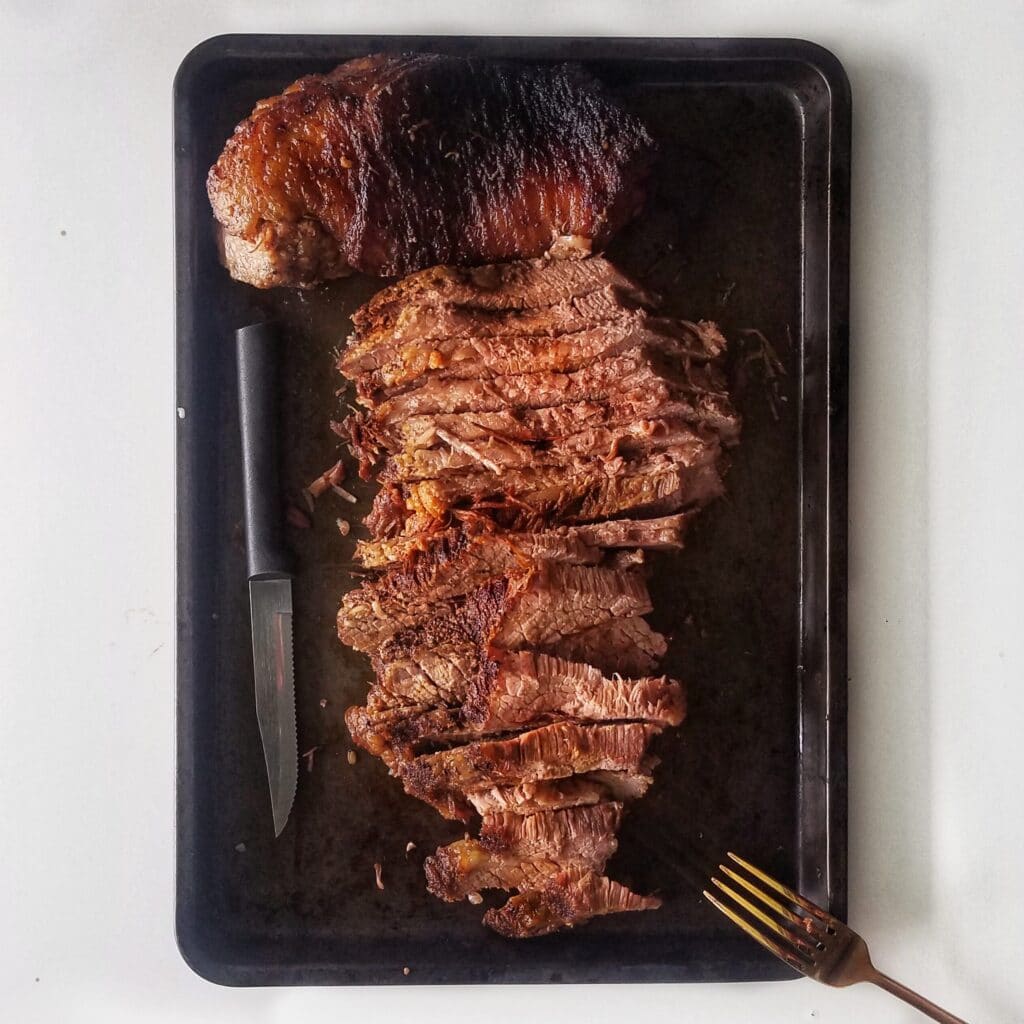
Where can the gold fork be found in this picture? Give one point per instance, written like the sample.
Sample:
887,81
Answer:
807,938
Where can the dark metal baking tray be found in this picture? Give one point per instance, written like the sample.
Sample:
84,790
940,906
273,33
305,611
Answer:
748,225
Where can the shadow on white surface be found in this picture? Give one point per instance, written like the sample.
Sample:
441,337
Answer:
889,693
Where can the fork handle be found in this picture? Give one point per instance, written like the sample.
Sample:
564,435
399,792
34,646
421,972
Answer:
926,1006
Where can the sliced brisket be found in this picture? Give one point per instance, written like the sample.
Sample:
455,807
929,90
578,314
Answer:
564,900
520,851
580,544
552,794
552,752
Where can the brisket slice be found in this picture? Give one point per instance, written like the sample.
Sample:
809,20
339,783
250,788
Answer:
626,645
371,440
552,794
523,284
453,563
521,851
647,367
424,324
552,752
527,687
441,674
565,900
537,609
580,544
464,358
496,455
537,498
518,690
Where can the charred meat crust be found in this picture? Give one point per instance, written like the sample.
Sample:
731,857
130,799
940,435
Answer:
345,170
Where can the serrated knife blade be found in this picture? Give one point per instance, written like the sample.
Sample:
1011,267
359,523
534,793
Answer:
274,671
268,563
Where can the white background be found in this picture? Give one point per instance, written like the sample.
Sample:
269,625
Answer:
86,433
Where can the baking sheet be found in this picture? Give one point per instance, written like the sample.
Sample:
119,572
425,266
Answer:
747,225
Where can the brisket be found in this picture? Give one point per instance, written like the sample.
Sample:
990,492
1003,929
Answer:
551,752
579,544
537,608
564,900
521,851
526,284
519,690
497,455
626,645
552,794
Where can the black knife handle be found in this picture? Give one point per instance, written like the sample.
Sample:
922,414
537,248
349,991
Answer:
259,418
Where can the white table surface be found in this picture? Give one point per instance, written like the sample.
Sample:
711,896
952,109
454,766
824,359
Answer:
86,432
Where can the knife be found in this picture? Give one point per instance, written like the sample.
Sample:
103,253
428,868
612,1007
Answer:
270,578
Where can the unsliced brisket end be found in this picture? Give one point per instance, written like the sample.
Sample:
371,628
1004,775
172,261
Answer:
520,851
552,794
552,752
565,900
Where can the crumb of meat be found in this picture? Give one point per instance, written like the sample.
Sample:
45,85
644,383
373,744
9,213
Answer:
323,702
343,526
409,847
328,478
351,757
475,898
342,493
378,876
405,971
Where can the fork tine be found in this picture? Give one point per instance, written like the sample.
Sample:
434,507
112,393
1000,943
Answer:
807,948
790,894
764,897
773,947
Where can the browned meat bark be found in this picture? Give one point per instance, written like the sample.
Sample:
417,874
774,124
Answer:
565,900
390,164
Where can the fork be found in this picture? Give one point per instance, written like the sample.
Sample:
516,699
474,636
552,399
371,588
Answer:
807,938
